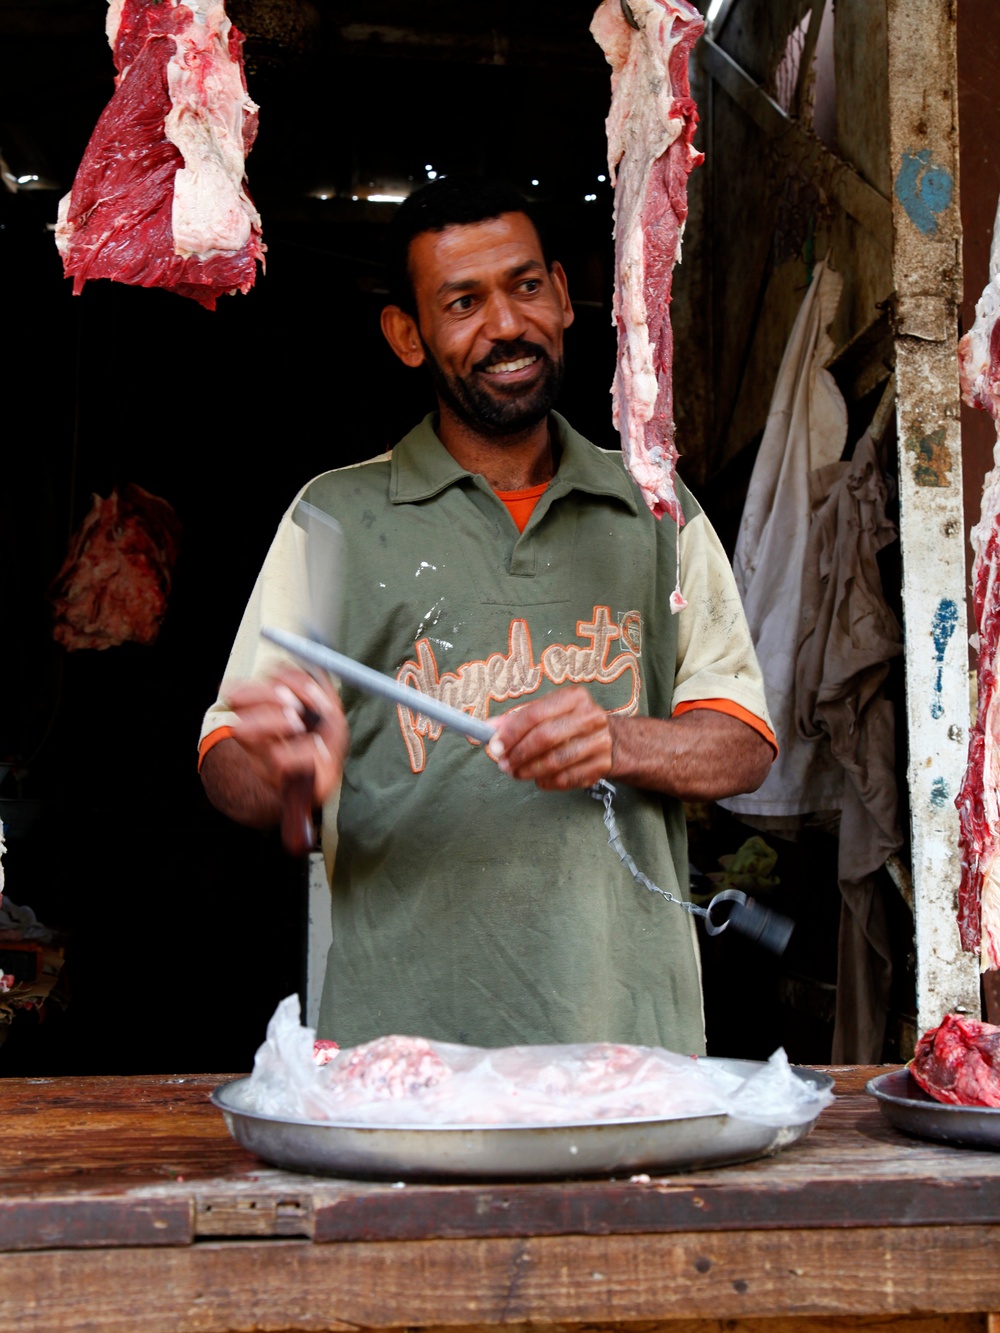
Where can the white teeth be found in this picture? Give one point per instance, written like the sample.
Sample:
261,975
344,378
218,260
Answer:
503,367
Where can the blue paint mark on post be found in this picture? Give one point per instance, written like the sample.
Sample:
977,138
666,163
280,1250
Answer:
942,628
923,189
939,793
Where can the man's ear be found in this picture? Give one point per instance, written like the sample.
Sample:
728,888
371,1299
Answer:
402,335
558,276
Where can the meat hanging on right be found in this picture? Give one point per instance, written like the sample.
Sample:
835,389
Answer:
978,800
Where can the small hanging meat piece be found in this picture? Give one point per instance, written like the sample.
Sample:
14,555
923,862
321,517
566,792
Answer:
114,583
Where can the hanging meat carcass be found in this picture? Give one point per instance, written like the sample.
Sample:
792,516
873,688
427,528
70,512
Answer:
160,199
115,581
650,155
979,798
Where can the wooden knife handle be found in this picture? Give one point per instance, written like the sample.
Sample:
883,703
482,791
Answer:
297,832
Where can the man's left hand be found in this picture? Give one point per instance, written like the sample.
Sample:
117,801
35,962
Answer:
560,741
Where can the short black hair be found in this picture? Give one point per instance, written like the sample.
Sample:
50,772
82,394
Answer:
451,201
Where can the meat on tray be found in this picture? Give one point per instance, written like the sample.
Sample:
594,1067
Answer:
389,1067
959,1062
650,155
160,199
978,798
397,1080
114,583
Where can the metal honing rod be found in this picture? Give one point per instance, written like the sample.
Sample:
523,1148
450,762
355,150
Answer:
374,682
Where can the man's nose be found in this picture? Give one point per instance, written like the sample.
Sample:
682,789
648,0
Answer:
504,319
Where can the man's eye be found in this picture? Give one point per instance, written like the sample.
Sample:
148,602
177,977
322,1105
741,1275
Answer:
462,303
531,285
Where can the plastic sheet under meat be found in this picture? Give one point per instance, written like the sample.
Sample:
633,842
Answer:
399,1080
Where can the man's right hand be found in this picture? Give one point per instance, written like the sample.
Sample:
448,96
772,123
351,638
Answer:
284,730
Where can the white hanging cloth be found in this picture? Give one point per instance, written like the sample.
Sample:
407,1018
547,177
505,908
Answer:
806,429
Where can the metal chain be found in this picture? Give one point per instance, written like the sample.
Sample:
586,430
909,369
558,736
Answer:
603,791
761,924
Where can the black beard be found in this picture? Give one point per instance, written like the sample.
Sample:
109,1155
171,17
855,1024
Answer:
499,414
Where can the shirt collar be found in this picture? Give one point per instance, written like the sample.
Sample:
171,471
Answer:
423,467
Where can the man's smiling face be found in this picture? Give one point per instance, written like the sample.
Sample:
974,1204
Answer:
490,322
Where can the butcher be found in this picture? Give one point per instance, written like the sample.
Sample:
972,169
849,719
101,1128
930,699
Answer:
498,560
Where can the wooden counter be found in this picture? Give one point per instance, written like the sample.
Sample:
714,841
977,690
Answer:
124,1204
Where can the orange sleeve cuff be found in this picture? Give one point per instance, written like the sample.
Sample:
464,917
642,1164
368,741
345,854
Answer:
213,738
731,710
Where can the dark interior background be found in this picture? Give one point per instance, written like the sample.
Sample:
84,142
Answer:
184,930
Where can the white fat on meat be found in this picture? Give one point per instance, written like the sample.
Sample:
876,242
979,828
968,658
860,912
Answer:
979,799
112,20
211,210
64,228
644,123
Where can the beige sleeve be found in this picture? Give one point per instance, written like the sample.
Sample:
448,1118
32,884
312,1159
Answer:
715,653
279,599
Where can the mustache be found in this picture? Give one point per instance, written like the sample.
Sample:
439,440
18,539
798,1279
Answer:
510,351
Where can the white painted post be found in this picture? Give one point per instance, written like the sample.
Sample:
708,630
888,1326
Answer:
927,270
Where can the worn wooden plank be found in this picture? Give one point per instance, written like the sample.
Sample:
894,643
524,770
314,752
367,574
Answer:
58,1186
268,1211
836,1324
923,117
113,1133
952,1323
291,1284
622,1209
813,158
41,1224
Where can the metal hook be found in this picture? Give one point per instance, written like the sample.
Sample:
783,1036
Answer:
726,896
758,923
628,16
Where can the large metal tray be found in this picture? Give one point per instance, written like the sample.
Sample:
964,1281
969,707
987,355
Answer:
508,1152
906,1106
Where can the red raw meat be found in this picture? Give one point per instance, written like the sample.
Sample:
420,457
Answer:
114,583
324,1051
650,129
391,1067
978,801
159,199
959,1062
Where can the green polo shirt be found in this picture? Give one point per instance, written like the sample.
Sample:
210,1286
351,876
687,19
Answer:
466,906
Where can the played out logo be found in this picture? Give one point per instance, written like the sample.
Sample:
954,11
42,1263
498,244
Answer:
608,649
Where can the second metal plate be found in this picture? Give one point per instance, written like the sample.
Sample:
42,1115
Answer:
906,1106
